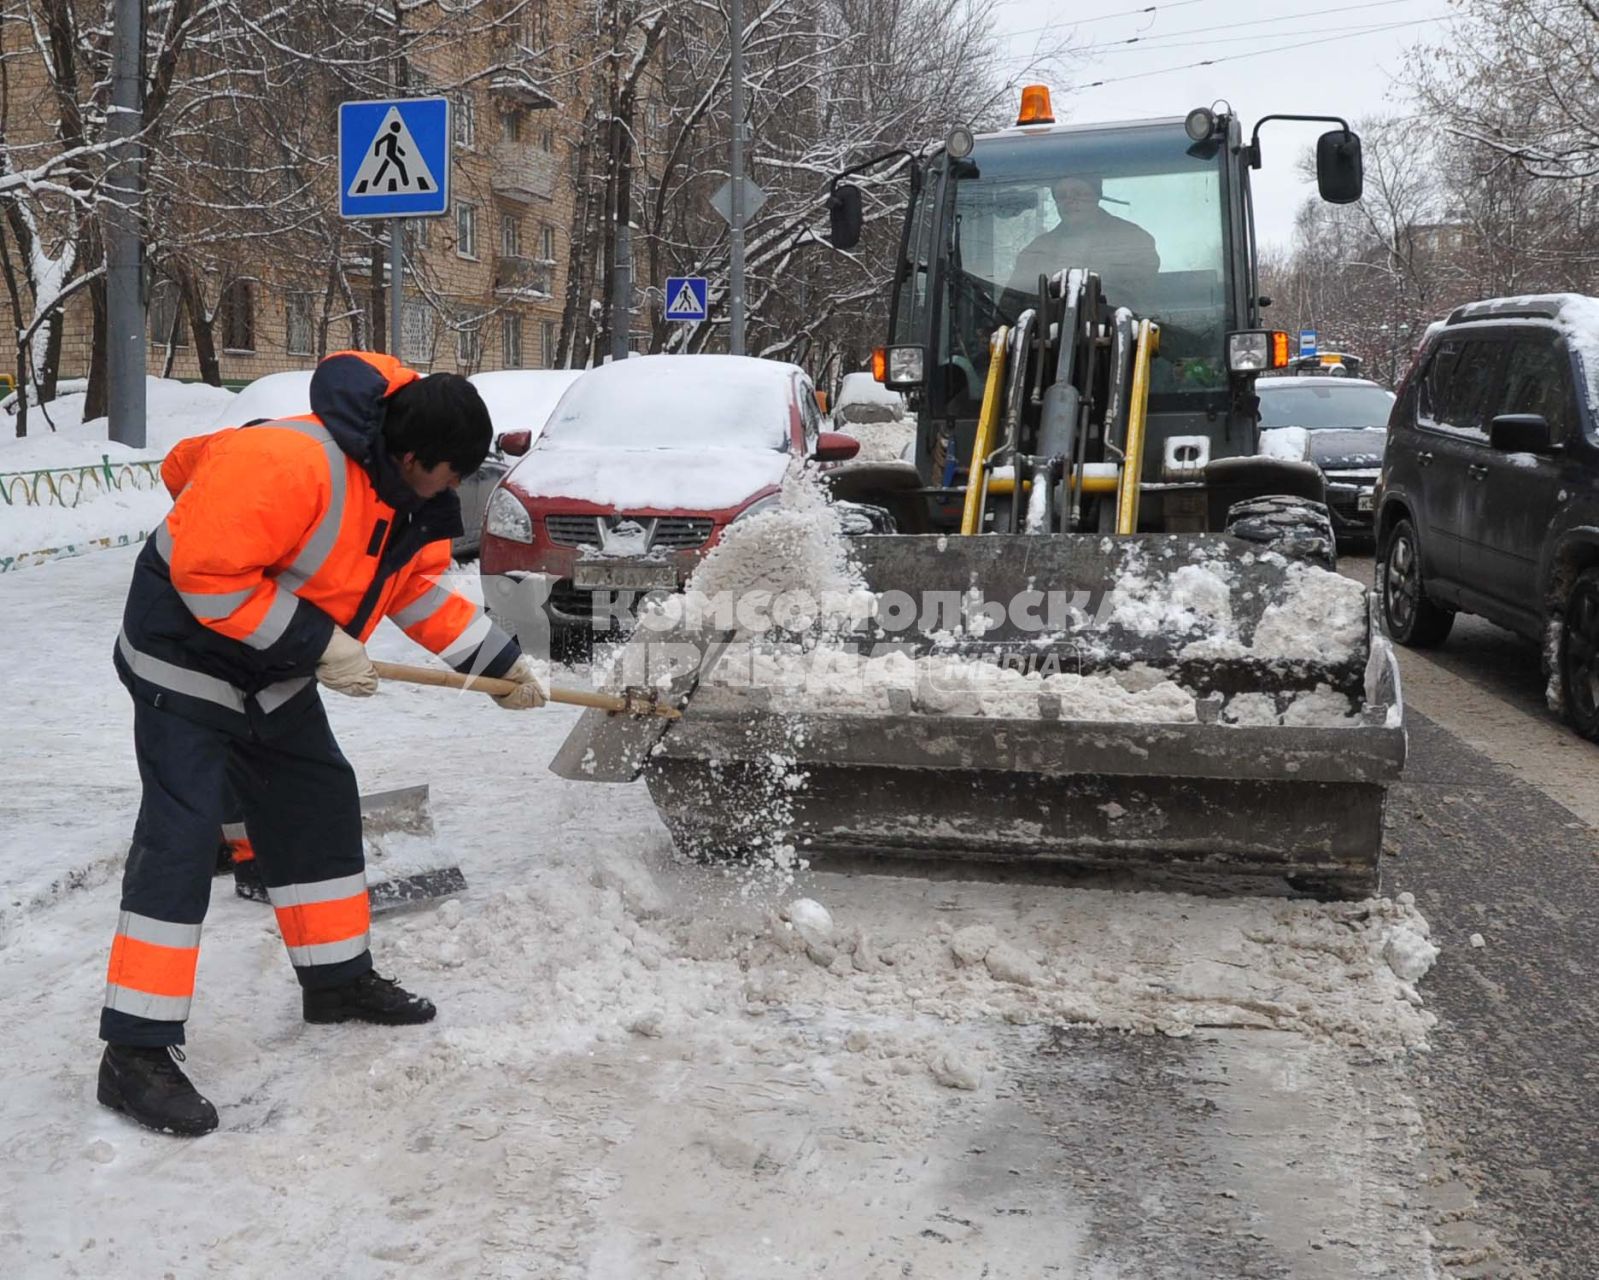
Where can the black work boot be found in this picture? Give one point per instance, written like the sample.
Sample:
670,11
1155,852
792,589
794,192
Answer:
368,999
145,1082
247,881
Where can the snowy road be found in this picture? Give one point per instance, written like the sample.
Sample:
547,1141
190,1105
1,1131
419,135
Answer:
639,1071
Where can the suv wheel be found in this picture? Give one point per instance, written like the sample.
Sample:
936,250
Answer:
1407,614
1579,655
1297,528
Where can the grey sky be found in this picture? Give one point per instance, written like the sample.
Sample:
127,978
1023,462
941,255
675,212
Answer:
1352,76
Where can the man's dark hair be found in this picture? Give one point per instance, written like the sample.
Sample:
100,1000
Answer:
440,418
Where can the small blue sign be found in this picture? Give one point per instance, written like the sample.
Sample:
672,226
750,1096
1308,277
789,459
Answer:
1307,342
394,158
685,298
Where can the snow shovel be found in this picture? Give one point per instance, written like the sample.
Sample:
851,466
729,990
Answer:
634,702
402,866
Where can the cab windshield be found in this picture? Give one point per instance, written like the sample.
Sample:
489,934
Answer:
1141,205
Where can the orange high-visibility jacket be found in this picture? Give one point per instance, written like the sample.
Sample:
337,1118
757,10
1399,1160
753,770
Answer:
281,531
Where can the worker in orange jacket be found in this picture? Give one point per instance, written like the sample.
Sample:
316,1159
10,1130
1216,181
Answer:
288,542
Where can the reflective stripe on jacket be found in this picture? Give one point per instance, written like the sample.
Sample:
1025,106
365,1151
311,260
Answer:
279,533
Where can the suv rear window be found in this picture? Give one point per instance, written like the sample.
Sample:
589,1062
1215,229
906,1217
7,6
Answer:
1459,379
1538,380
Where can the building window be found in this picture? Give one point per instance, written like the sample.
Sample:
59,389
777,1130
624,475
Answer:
547,343
547,140
511,339
416,334
299,324
466,230
510,236
416,236
510,126
547,242
465,112
166,310
236,315
468,343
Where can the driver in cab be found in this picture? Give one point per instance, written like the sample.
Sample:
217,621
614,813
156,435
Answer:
1122,252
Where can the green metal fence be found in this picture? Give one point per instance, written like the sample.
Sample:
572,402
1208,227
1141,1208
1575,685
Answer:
68,486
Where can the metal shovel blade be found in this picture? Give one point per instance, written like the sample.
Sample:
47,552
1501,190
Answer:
607,747
403,864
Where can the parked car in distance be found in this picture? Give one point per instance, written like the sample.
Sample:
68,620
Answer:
1340,425
876,416
641,467
1489,502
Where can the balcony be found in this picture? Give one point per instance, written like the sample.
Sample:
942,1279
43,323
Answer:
522,277
521,171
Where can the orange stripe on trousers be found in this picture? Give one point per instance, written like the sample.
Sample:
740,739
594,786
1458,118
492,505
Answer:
152,969
314,923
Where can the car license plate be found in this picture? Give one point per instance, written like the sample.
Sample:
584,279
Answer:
623,575
1363,501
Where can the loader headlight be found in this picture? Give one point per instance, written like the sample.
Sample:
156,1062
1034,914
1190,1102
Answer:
904,368
508,518
1253,350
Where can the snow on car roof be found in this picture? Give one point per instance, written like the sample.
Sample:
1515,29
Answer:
523,399
676,402
862,398
277,395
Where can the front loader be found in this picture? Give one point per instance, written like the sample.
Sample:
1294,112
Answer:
1084,436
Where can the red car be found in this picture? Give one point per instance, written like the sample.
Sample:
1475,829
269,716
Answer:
641,466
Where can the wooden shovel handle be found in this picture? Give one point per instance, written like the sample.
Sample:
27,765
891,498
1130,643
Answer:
634,702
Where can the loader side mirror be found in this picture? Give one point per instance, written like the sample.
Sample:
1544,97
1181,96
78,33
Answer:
844,212
515,444
1340,173
835,446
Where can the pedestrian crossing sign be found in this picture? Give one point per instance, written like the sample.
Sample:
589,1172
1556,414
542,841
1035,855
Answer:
685,298
394,158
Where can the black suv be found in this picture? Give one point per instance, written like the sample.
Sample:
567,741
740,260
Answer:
1489,500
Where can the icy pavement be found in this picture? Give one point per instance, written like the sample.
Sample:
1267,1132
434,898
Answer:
640,1069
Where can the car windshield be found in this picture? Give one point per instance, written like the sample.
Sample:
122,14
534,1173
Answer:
1319,405
1142,206
675,402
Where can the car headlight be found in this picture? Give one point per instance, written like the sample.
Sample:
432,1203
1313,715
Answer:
771,502
508,518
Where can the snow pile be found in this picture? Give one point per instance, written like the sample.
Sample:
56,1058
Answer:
831,680
882,441
177,410
1321,617
1322,707
797,546
1196,599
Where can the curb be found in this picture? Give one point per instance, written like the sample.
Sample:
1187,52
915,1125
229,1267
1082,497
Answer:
30,559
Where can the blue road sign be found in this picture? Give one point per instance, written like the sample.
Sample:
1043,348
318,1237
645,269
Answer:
685,298
1307,342
394,158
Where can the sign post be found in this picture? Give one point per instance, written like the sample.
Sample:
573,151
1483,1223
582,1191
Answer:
1307,342
394,163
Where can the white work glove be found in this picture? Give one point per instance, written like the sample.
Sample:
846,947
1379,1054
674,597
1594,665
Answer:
528,693
345,668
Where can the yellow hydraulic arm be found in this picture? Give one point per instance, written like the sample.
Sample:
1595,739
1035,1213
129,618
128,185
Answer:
1137,415
987,426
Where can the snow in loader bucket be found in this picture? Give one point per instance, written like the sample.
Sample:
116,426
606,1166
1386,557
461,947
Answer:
1188,704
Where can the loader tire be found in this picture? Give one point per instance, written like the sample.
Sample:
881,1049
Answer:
1297,528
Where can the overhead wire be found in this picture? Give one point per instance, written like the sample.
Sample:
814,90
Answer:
1237,57
1061,24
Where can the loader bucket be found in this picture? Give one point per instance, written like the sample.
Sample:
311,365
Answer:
1208,794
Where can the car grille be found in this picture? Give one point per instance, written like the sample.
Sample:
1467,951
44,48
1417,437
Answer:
679,533
674,533
573,531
